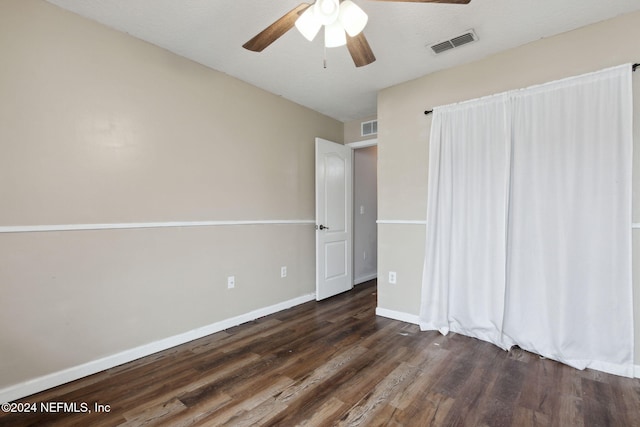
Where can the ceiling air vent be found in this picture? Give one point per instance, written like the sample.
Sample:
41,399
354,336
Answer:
369,128
457,41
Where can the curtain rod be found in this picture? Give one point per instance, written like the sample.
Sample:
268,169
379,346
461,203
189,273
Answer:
634,67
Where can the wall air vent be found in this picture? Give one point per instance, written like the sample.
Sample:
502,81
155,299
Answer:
467,37
369,128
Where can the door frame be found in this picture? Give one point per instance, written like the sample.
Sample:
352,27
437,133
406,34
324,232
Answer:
363,144
354,146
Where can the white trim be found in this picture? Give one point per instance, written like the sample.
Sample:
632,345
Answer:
363,144
635,225
54,379
400,221
119,226
398,315
366,278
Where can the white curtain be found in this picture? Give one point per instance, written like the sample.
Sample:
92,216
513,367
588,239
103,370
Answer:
529,221
467,210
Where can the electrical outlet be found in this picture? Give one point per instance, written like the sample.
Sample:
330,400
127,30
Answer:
392,277
283,271
231,282
361,210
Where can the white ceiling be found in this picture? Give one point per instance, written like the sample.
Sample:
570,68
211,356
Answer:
212,32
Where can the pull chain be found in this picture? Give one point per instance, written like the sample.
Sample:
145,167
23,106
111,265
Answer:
324,57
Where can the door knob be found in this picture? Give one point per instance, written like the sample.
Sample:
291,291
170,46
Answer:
322,227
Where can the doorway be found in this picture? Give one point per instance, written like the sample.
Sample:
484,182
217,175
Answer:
365,211
341,207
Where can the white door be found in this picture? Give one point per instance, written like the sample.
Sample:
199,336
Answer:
334,200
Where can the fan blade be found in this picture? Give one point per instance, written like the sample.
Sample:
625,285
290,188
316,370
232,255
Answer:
432,1
274,31
360,50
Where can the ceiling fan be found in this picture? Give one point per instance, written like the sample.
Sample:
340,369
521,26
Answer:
343,22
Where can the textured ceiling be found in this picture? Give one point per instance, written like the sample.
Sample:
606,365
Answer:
212,32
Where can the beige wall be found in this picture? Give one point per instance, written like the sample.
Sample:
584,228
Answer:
404,136
98,127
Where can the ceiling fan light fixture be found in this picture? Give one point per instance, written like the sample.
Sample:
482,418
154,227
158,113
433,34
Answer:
308,24
352,18
334,35
326,11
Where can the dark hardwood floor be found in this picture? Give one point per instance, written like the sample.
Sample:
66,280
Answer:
336,363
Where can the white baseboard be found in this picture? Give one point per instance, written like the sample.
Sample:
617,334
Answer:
54,379
366,278
636,372
398,315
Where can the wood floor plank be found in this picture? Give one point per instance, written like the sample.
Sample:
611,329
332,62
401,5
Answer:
238,413
333,363
541,391
599,405
195,414
526,417
367,376
367,409
570,413
344,380
625,398
431,409
331,368
155,414
434,364
325,414
194,384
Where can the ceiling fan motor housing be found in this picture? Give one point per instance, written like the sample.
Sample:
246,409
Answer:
326,11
